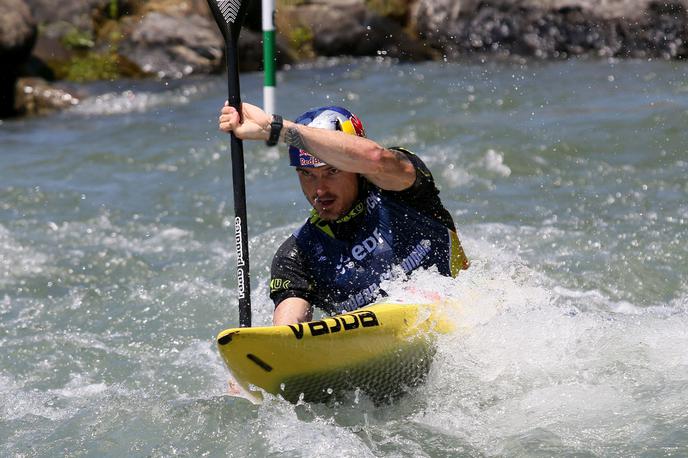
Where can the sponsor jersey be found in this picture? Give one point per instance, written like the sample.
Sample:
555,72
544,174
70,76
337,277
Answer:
339,266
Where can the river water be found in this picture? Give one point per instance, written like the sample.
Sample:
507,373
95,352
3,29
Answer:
567,181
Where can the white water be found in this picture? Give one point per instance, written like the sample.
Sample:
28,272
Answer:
116,267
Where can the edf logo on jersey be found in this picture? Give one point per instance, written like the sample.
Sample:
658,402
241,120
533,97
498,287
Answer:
361,250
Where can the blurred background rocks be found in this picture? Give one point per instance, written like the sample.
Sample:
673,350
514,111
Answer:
46,41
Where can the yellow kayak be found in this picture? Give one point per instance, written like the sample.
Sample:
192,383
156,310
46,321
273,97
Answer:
381,349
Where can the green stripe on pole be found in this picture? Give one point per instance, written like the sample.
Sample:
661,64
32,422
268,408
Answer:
269,57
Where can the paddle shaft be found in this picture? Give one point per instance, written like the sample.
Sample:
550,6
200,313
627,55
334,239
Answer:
229,15
239,184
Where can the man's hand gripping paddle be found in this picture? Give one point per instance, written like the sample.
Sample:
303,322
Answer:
229,15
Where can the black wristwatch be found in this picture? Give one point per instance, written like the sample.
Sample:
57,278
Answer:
275,129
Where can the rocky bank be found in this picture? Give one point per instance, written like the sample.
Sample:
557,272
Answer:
555,28
44,41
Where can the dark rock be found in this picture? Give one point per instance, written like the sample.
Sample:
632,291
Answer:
251,51
38,68
337,30
36,96
348,28
663,31
17,31
60,16
386,37
437,21
49,49
254,19
172,46
17,38
526,28
67,28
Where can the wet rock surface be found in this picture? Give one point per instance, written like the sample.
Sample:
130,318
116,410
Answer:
82,40
172,46
348,28
554,29
17,37
35,96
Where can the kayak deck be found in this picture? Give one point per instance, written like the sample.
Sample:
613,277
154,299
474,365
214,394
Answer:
382,350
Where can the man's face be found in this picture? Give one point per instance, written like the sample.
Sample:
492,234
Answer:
330,191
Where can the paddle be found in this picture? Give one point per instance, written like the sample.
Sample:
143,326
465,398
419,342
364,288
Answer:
229,15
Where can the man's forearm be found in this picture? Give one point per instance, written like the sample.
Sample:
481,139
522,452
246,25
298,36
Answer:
344,151
291,311
385,168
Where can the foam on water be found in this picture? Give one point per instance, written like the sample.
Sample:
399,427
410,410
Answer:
138,101
531,362
287,433
534,361
18,259
494,162
201,360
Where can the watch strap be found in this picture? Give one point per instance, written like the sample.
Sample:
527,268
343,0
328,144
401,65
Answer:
275,129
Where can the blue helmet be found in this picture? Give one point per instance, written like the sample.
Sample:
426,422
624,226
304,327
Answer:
330,118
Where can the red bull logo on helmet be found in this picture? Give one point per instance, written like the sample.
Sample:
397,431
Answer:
307,160
329,118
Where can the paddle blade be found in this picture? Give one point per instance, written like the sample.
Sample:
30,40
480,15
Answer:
229,15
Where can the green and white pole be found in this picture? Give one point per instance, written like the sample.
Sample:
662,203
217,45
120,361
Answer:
269,58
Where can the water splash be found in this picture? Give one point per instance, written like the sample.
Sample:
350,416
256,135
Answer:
139,101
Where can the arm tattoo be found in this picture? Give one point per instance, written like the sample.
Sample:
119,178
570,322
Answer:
401,156
292,137
398,154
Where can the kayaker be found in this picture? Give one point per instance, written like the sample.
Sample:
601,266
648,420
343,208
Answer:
376,213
